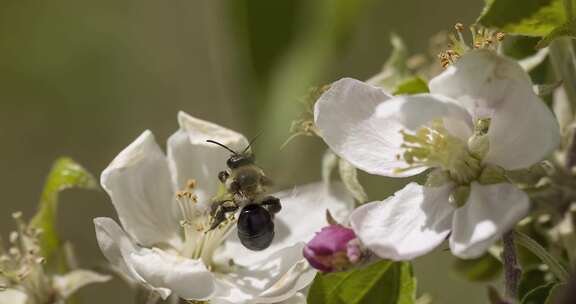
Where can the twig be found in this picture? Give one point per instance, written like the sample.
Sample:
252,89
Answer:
512,271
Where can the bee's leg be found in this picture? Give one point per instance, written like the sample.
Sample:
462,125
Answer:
219,210
223,176
272,204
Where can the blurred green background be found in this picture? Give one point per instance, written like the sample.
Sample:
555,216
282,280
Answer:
84,78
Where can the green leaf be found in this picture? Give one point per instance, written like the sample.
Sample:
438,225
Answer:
482,269
384,282
526,17
412,86
538,295
65,174
407,292
531,279
567,29
519,47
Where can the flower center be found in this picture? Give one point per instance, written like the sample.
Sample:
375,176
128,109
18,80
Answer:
434,146
21,263
199,241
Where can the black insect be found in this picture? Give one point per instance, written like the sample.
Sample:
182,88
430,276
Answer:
246,186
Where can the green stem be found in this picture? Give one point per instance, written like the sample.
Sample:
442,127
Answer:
555,267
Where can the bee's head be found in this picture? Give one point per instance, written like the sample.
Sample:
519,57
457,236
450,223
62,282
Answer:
238,160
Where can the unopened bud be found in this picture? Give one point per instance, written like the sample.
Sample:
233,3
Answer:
334,248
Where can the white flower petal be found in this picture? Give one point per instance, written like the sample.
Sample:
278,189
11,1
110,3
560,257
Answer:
191,157
362,124
187,278
411,112
303,214
480,80
407,225
523,130
116,245
13,296
490,211
155,269
138,182
275,279
68,284
344,116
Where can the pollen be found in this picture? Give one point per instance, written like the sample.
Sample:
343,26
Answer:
186,200
482,38
191,184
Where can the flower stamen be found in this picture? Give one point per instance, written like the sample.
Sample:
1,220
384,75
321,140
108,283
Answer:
434,146
199,241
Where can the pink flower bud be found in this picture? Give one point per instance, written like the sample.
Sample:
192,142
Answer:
334,248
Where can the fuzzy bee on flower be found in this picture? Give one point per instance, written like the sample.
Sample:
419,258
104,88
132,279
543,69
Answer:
246,187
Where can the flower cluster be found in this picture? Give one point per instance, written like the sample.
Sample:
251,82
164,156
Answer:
480,119
23,278
487,158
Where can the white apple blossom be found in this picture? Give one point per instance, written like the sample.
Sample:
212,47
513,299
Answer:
24,278
163,243
481,117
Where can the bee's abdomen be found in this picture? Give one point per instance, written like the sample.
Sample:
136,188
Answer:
255,227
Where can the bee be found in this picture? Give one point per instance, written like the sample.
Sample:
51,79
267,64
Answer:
247,187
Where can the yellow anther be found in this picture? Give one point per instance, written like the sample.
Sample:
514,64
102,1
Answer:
459,27
434,146
191,184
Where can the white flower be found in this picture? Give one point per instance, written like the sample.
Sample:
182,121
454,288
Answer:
163,243
481,116
23,275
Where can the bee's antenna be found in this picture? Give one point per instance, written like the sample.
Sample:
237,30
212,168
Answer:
251,142
222,145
